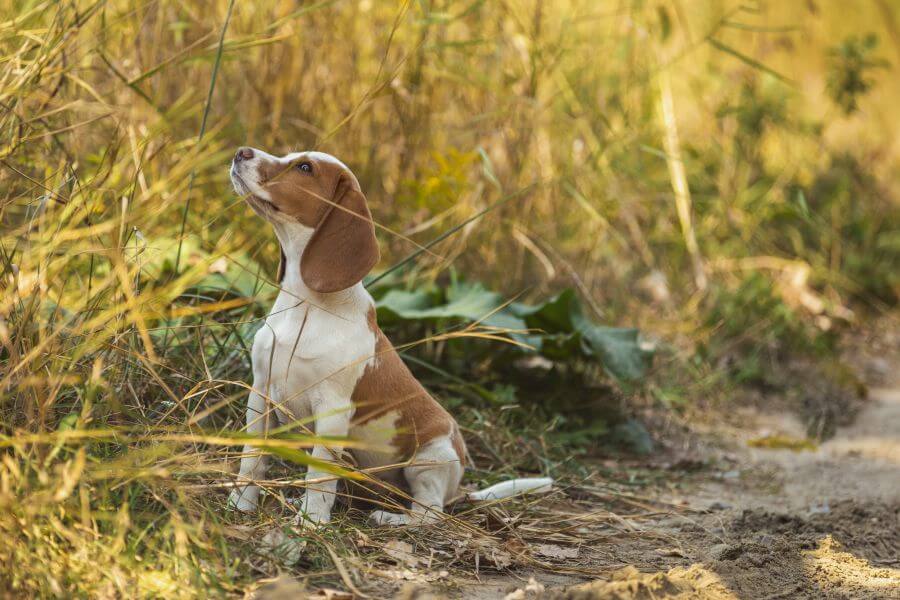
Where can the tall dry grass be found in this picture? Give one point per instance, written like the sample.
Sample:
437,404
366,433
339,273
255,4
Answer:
116,365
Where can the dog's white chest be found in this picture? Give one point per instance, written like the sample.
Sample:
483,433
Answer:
310,353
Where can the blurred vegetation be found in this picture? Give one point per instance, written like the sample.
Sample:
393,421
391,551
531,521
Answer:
722,176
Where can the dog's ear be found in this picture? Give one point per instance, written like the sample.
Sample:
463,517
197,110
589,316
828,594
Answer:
343,248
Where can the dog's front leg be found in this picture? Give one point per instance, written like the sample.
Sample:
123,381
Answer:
253,463
321,485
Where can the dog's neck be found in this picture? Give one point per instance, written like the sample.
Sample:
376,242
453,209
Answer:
294,238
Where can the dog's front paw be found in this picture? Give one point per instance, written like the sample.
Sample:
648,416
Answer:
244,499
310,521
312,514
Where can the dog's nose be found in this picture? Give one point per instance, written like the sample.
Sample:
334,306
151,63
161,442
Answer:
243,153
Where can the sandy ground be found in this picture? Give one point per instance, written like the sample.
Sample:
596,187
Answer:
822,523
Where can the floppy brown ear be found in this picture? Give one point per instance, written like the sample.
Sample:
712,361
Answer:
343,248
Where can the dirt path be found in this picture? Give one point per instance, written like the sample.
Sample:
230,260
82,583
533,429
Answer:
860,463
820,523
740,518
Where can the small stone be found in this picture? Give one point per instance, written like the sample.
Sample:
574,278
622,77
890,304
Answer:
820,509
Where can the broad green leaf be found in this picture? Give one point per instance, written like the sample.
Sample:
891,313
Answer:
558,328
553,316
617,348
400,304
466,301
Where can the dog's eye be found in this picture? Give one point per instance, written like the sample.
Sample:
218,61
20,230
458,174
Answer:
305,167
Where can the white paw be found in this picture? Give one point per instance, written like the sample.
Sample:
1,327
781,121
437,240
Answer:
312,514
243,499
308,522
382,517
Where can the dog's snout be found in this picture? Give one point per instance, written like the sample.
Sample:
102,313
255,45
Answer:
243,153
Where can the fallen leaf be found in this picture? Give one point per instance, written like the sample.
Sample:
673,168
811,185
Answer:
500,559
501,556
778,442
407,575
362,540
439,575
554,551
402,552
238,532
516,547
219,265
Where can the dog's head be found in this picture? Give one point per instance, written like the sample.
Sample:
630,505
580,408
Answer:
312,192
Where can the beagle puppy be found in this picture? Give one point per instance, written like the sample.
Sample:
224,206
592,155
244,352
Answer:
321,359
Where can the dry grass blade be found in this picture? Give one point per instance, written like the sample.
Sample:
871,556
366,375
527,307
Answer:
206,109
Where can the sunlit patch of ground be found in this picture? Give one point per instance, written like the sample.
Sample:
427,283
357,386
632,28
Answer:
695,581
833,569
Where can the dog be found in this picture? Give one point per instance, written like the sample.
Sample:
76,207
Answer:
321,358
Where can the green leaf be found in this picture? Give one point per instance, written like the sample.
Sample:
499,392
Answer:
665,22
397,305
749,61
618,349
633,435
467,301
68,422
558,328
553,316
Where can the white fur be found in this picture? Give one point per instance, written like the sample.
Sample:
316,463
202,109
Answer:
247,180
513,487
433,480
307,358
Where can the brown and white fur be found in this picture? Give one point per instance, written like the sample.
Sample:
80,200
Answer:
321,358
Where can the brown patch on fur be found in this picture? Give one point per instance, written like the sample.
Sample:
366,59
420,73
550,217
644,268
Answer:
386,386
297,194
343,248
